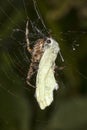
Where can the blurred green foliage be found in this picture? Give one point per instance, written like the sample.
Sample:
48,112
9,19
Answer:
18,108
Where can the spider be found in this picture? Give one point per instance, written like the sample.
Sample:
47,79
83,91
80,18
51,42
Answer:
36,54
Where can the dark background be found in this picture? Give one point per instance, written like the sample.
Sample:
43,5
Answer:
67,20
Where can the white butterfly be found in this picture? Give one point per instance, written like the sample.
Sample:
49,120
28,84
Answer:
45,80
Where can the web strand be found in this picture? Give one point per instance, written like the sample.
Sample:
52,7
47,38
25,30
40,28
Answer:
9,17
38,14
25,8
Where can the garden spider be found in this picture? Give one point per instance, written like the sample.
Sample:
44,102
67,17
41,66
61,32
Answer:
36,54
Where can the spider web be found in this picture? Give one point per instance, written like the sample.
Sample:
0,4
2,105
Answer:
15,59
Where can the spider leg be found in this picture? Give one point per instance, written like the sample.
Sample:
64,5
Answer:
57,68
27,38
30,84
31,72
29,77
